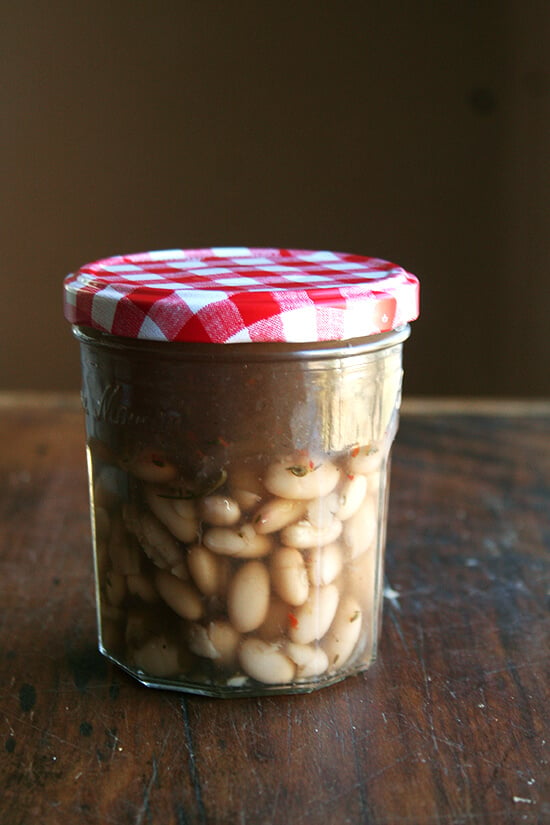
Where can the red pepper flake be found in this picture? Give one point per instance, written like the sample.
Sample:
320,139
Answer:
293,621
311,466
351,476
222,442
355,452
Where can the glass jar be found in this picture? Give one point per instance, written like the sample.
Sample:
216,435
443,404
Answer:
238,489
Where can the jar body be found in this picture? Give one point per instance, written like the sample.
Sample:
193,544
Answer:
238,497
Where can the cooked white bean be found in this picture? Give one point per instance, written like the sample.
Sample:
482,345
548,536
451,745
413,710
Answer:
289,575
277,513
364,459
199,642
265,662
138,627
303,534
302,477
180,595
310,660
341,639
321,511
312,619
151,466
180,571
209,571
158,656
140,586
221,511
359,531
155,539
115,587
276,621
226,640
324,564
248,596
243,542
218,641
351,495
362,579
246,487
123,551
177,514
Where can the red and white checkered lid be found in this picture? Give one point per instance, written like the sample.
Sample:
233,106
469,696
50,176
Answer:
240,294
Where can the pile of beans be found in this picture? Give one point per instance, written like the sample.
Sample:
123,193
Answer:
266,572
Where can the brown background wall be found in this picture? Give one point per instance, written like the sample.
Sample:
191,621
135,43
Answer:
415,131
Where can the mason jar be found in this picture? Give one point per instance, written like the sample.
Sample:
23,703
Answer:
240,409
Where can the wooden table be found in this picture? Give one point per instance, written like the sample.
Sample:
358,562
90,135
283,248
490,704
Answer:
450,726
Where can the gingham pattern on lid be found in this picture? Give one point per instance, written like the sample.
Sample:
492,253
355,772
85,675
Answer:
236,295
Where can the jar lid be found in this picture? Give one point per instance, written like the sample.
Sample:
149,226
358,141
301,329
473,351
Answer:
239,294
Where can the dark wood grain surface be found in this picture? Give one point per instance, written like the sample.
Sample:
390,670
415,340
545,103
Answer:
450,726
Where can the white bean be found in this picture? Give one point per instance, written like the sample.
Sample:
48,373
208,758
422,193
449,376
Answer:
275,623
138,627
141,587
312,620
303,534
265,662
150,466
123,551
248,596
277,513
310,660
180,571
341,639
115,587
351,495
218,641
180,595
302,477
177,514
242,542
157,542
158,656
199,642
289,575
362,583
246,487
209,571
226,640
324,564
359,531
321,511
221,511
364,459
